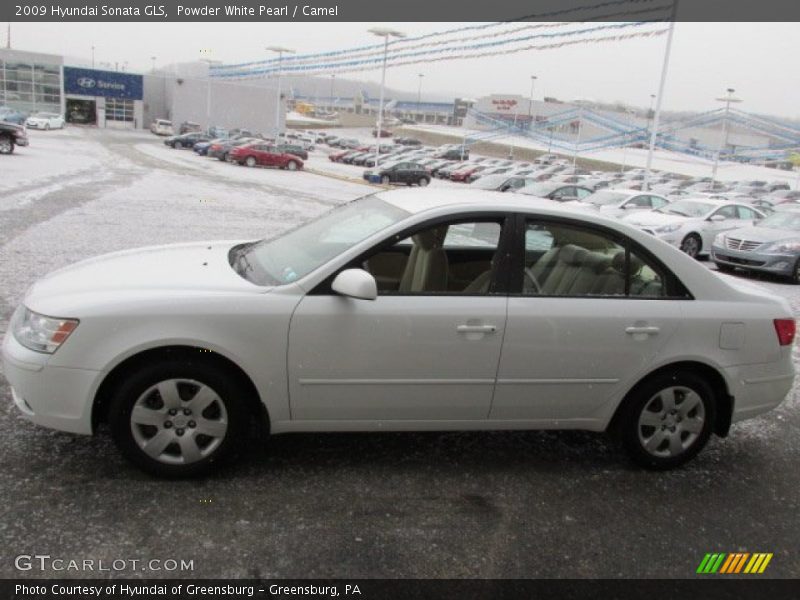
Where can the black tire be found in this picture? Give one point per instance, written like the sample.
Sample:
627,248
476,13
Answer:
291,165
423,181
250,161
6,144
47,126
134,391
682,389
224,157
692,245
385,180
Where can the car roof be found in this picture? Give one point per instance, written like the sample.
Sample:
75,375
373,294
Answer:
427,199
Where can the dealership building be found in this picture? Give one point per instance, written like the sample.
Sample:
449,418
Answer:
34,82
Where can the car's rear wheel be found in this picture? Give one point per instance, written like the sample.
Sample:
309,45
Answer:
692,244
47,126
668,419
178,418
385,180
250,161
6,145
423,181
291,165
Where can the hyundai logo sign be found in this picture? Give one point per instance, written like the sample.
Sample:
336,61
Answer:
86,82
96,82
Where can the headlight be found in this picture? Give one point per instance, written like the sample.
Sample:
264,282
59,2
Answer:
783,247
719,240
667,228
41,333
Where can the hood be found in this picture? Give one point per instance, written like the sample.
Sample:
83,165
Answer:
763,234
651,218
176,268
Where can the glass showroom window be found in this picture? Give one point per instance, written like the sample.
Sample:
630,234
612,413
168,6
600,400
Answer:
119,109
30,87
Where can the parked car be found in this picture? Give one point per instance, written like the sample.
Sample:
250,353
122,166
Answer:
691,224
11,115
499,183
186,140
402,172
45,120
384,132
201,148
769,246
295,149
188,127
454,154
161,127
264,155
407,141
560,192
616,203
221,151
396,311
12,135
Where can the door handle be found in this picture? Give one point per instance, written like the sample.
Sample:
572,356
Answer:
476,329
646,330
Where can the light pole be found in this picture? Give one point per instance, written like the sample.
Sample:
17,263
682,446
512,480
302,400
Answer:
153,59
208,62
93,57
280,50
385,33
530,102
578,139
723,138
333,79
419,91
626,140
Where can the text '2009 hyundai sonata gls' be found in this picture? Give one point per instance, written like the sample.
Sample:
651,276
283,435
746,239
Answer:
404,310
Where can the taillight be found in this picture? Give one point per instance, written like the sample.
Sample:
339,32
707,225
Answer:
785,328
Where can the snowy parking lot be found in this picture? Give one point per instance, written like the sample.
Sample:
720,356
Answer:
484,505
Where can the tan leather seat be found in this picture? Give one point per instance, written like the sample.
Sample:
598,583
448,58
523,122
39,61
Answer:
427,266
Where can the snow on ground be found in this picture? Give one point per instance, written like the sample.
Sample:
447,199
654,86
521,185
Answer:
663,160
51,157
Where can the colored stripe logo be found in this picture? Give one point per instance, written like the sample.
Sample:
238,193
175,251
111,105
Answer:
734,563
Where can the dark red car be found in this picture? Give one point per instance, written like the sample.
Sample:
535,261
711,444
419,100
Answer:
264,155
464,174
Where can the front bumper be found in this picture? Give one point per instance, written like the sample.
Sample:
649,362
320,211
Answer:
21,141
777,264
55,397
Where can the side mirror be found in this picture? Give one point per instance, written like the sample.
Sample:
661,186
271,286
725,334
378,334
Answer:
355,283
717,218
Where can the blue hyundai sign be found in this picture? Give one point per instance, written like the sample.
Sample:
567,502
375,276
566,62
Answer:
110,84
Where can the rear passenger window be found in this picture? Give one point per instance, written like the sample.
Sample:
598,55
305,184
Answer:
570,261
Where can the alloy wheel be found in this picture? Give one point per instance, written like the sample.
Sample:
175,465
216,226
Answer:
671,422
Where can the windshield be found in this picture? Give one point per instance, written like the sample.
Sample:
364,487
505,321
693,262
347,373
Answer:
297,253
606,198
782,220
490,182
687,208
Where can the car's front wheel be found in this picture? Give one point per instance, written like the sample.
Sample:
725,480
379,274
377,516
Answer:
692,245
291,165
423,181
178,418
385,180
6,145
250,161
668,419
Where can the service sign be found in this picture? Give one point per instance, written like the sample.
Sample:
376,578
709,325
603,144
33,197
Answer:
109,84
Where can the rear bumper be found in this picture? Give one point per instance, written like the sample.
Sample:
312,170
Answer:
757,389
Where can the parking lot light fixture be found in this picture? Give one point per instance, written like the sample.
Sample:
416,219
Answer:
280,50
385,33
530,102
723,137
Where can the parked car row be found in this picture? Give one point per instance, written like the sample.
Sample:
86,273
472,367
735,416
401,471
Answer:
243,150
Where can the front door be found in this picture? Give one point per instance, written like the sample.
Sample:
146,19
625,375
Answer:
427,349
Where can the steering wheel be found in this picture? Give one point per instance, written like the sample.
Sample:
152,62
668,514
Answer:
531,278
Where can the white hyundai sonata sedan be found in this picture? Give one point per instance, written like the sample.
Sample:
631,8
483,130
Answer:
429,310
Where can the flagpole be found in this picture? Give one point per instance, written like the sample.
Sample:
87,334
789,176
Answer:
659,99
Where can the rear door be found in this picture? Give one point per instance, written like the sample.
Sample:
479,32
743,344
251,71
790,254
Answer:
584,320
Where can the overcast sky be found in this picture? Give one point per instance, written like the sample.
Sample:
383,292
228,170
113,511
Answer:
759,60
